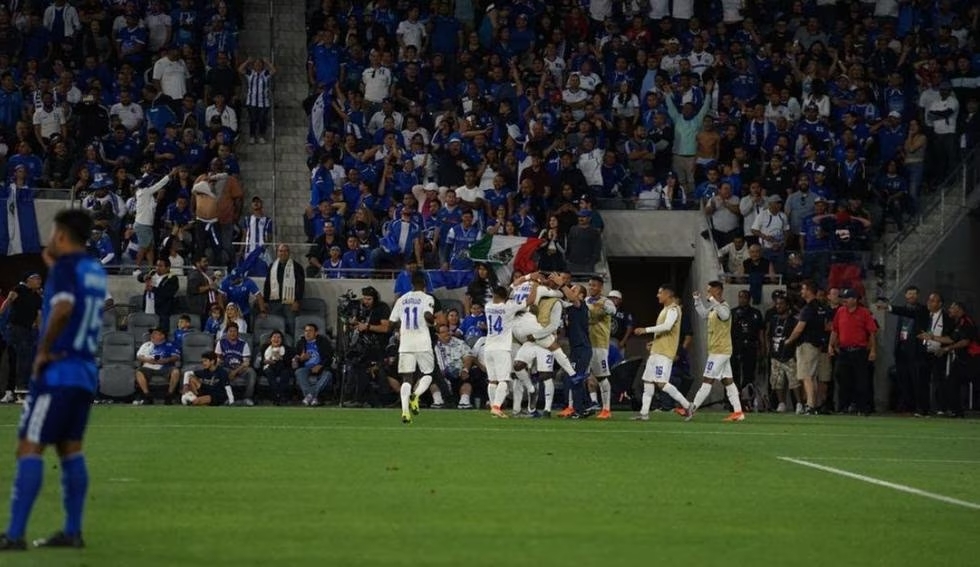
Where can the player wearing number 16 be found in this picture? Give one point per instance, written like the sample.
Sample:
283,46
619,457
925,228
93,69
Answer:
63,382
415,312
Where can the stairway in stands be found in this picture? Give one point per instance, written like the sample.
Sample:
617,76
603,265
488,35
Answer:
279,168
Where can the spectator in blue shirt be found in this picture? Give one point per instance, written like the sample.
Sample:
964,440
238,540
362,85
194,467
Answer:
158,358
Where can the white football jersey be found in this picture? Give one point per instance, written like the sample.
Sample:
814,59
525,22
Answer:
500,324
521,292
409,311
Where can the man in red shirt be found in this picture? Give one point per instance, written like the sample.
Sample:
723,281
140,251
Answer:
853,340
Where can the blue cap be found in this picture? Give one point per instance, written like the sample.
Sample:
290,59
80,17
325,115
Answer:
454,137
585,213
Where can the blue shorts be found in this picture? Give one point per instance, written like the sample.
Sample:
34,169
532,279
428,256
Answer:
54,415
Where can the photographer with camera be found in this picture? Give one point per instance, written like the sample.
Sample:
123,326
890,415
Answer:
367,332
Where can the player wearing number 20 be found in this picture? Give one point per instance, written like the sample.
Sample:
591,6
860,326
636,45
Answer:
415,311
63,382
718,366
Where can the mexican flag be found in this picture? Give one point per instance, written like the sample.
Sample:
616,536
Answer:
506,254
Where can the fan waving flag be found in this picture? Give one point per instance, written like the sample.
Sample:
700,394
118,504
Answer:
506,254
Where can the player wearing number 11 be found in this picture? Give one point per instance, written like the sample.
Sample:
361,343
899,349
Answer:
415,311
63,382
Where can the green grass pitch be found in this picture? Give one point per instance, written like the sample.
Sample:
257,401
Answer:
174,486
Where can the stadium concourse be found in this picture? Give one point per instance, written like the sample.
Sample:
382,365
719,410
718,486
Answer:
442,133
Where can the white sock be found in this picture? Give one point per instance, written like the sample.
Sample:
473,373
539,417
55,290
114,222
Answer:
732,392
406,393
464,399
673,392
518,386
562,359
491,393
570,397
703,392
594,397
549,394
525,377
605,388
437,397
423,385
648,391
500,395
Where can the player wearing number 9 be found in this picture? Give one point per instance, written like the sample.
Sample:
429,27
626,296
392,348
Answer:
63,383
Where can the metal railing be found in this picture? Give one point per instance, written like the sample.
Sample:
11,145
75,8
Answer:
272,113
939,213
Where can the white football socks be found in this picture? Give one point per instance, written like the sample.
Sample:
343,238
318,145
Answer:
673,392
491,393
423,385
500,395
406,393
518,386
605,388
549,394
648,391
732,391
562,359
703,392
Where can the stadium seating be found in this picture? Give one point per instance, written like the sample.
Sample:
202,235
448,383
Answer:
117,381
194,345
118,348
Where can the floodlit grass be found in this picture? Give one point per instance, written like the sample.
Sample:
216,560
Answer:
176,486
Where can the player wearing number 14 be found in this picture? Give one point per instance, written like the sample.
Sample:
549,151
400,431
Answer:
63,382
500,314
415,312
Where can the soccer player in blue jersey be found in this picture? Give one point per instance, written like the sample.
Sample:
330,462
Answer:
63,382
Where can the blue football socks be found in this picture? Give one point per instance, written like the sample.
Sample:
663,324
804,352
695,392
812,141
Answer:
27,485
74,484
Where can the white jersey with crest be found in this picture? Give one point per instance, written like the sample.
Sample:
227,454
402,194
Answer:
409,311
500,324
521,292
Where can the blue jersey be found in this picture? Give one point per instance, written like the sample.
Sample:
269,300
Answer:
239,293
80,279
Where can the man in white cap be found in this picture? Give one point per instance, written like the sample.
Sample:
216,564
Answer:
622,322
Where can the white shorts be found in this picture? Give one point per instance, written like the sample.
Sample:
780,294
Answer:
528,325
718,366
599,367
658,369
425,361
542,358
499,365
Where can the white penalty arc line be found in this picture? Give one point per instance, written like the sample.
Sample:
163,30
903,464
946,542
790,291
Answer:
885,483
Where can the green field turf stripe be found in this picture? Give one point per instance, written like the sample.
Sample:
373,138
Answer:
516,426
885,483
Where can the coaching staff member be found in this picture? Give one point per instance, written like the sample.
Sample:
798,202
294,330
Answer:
852,339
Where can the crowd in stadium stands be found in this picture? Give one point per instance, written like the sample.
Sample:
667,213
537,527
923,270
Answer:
798,127
132,108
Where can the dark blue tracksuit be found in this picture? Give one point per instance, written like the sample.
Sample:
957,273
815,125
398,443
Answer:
577,330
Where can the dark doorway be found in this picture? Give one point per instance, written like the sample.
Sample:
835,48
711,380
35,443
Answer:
638,279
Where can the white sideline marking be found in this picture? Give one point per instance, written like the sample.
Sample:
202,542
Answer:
885,483
122,480
895,460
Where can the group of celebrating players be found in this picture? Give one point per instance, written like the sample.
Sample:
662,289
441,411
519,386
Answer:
523,321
